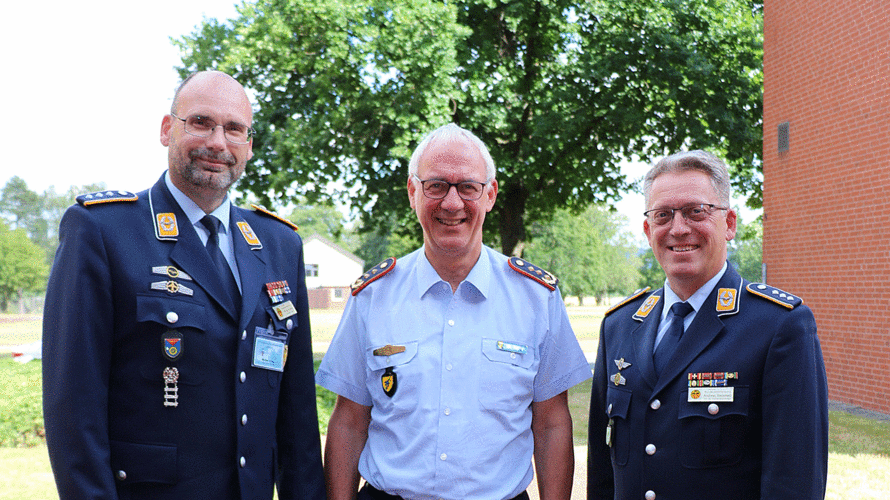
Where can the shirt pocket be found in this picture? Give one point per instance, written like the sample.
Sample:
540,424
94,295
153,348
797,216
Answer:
713,433
617,407
507,374
404,367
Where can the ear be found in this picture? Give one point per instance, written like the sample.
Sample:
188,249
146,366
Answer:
166,124
646,228
412,189
730,224
250,149
492,195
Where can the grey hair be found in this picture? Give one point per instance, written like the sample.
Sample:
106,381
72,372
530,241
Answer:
452,131
698,160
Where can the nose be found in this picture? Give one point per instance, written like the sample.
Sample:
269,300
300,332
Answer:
679,224
452,201
217,139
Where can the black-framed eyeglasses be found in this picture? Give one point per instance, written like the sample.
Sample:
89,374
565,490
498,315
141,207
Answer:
202,126
437,189
692,213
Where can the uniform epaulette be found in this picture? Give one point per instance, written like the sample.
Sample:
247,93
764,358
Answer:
534,272
265,211
98,197
773,294
372,274
625,300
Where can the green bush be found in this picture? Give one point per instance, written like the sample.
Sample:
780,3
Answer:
21,410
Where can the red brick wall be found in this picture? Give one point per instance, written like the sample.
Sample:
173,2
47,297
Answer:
827,199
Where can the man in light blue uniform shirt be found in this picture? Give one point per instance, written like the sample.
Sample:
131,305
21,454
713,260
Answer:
452,364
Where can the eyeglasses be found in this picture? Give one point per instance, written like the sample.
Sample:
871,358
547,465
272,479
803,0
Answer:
201,126
437,189
692,213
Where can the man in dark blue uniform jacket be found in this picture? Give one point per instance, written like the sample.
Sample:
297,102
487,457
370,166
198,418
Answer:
725,397
168,374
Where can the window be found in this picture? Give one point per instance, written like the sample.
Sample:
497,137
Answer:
311,270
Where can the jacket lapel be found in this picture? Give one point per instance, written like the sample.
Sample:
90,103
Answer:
188,253
251,266
644,338
706,326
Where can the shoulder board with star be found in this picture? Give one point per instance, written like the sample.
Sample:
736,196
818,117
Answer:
99,197
269,213
373,274
626,300
775,295
534,272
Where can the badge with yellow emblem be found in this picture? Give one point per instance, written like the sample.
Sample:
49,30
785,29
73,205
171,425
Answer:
389,381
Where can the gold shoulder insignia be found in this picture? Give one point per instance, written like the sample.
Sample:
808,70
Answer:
625,300
98,197
773,294
265,211
534,272
372,274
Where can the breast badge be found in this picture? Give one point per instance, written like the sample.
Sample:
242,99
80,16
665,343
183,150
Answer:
390,382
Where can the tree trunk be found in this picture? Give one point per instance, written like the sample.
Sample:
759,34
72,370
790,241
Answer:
511,223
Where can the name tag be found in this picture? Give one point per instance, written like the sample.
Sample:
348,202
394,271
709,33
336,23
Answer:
268,353
511,347
711,394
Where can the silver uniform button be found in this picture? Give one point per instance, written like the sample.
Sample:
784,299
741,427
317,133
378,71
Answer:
650,495
244,335
289,324
244,419
609,409
243,377
121,475
655,404
650,449
172,317
713,409
243,462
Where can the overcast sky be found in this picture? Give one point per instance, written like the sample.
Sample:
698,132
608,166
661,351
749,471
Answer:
86,85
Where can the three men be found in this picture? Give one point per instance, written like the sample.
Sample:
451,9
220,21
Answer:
452,363
712,387
177,355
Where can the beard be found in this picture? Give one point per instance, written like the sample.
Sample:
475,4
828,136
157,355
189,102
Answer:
218,181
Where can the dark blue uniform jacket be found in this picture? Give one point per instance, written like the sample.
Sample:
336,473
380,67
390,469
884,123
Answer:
770,441
124,277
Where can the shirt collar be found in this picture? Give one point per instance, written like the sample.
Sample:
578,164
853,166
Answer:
479,277
697,299
193,211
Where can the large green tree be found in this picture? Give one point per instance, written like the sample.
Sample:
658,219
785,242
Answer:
562,91
23,267
591,252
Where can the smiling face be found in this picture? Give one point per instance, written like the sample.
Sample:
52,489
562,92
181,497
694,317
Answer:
452,227
691,253
205,167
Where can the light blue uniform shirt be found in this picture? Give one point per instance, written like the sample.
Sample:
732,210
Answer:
459,423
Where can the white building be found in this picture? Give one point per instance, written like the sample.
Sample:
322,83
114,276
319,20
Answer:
330,269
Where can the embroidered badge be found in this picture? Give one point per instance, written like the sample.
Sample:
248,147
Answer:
726,298
249,236
646,307
167,227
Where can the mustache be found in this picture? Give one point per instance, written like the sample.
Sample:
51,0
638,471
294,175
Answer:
206,154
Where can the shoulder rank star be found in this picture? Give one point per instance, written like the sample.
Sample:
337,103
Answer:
534,272
622,364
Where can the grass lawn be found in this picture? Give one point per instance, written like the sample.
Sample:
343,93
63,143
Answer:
858,466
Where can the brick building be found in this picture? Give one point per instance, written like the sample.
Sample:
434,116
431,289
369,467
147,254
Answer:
826,200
